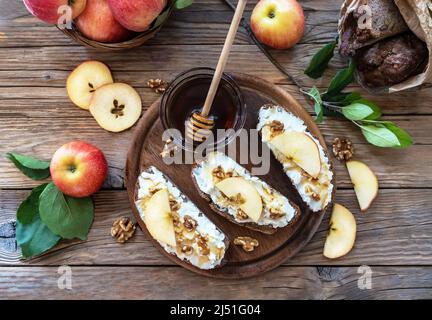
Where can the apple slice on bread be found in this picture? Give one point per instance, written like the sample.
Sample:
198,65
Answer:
243,191
240,197
300,148
304,160
158,219
174,221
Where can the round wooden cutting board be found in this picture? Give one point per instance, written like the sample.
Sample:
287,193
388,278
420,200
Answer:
274,249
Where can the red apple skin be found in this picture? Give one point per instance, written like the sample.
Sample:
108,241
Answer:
47,10
98,23
78,169
136,15
280,24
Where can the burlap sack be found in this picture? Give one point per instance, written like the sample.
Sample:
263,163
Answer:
418,16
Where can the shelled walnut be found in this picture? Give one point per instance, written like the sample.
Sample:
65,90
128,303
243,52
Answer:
343,149
158,85
190,223
276,127
276,214
241,215
248,244
220,174
123,229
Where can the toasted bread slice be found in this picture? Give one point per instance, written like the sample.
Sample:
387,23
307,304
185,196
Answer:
315,190
177,224
240,197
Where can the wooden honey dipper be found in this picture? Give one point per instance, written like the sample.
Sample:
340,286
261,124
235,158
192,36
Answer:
200,125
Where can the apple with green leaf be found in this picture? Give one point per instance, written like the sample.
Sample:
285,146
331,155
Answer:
280,24
78,169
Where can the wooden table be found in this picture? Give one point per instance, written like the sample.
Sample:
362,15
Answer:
394,237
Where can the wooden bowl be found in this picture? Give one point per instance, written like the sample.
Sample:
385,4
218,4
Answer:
135,42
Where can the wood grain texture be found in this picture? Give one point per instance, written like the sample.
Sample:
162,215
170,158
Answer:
397,230
36,117
41,137
281,284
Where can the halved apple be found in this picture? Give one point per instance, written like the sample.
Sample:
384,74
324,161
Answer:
250,199
365,183
300,148
85,79
158,219
342,233
116,107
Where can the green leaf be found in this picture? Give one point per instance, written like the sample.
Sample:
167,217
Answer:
320,60
342,79
350,98
26,210
385,134
405,140
32,235
162,17
376,109
66,216
181,4
31,167
361,109
318,104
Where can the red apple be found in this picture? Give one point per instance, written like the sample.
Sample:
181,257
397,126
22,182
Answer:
48,10
78,169
280,24
97,23
136,15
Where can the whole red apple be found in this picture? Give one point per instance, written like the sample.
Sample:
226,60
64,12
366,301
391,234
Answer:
280,24
48,10
78,169
98,23
136,15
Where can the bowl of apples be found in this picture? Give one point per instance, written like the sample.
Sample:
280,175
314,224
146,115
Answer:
106,24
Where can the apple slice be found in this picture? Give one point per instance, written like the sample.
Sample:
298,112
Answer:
116,107
342,233
85,79
300,148
365,183
250,200
158,219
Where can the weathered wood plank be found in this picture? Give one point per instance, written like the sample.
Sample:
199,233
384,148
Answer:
40,137
20,98
398,219
184,27
170,283
47,69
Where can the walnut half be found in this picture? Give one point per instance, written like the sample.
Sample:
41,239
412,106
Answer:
343,149
248,244
158,85
122,229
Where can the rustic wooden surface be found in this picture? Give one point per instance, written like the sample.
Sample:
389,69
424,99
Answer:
394,237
